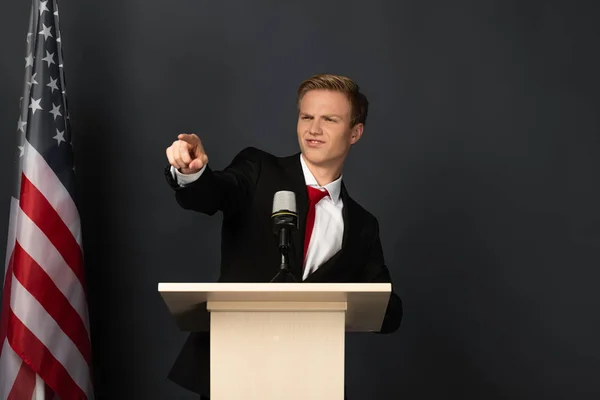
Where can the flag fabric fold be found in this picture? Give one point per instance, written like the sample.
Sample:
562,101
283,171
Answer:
45,345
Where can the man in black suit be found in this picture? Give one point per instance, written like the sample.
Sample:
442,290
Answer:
337,239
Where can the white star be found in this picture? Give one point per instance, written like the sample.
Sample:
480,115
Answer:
21,125
43,7
29,35
49,58
60,137
33,81
21,150
35,105
52,84
55,111
29,60
45,31
58,40
56,12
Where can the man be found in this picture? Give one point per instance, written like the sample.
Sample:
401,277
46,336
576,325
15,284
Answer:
343,244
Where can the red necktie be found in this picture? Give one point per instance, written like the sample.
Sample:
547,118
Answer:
314,196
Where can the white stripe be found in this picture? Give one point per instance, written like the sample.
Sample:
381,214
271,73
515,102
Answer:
39,247
10,363
44,327
39,393
12,229
37,170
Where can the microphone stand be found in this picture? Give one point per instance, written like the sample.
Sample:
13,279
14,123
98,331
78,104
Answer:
284,273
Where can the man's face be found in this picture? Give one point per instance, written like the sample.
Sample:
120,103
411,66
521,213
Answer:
324,128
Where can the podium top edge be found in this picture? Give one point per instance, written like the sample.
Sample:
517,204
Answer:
272,287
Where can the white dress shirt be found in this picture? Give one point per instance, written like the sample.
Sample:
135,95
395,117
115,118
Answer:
328,230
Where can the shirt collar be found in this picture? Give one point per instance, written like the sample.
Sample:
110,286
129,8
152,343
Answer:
334,188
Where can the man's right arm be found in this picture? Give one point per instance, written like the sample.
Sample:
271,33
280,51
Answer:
199,188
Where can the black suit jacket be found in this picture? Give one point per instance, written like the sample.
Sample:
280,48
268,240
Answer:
243,192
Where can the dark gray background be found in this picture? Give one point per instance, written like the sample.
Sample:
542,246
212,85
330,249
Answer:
480,159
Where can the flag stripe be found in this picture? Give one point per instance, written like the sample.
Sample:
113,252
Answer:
12,229
24,384
41,250
41,175
40,389
10,363
6,301
39,358
49,394
46,332
37,208
40,286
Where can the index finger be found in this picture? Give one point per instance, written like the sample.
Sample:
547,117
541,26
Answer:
190,138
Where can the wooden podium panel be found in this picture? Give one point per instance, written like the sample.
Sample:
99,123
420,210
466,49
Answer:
277,340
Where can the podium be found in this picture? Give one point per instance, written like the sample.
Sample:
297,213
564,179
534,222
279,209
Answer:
277,340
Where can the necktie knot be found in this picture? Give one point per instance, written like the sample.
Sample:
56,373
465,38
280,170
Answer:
315,195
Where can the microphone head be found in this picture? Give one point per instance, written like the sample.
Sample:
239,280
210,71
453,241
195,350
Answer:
284,200
284,216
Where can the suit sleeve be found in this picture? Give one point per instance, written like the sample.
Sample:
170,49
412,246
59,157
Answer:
377,272
228,190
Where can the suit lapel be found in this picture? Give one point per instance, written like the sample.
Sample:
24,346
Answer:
349,240
294,178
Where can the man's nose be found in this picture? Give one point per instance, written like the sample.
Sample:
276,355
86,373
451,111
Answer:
315,127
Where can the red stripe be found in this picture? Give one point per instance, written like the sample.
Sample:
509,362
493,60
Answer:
49,394
39,358
40,211
6,301
24,384
39,284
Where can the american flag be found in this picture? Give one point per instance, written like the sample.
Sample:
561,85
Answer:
45,350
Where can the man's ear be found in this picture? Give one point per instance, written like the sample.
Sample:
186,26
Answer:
356,134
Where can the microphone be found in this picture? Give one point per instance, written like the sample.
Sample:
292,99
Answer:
284,220
284,217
